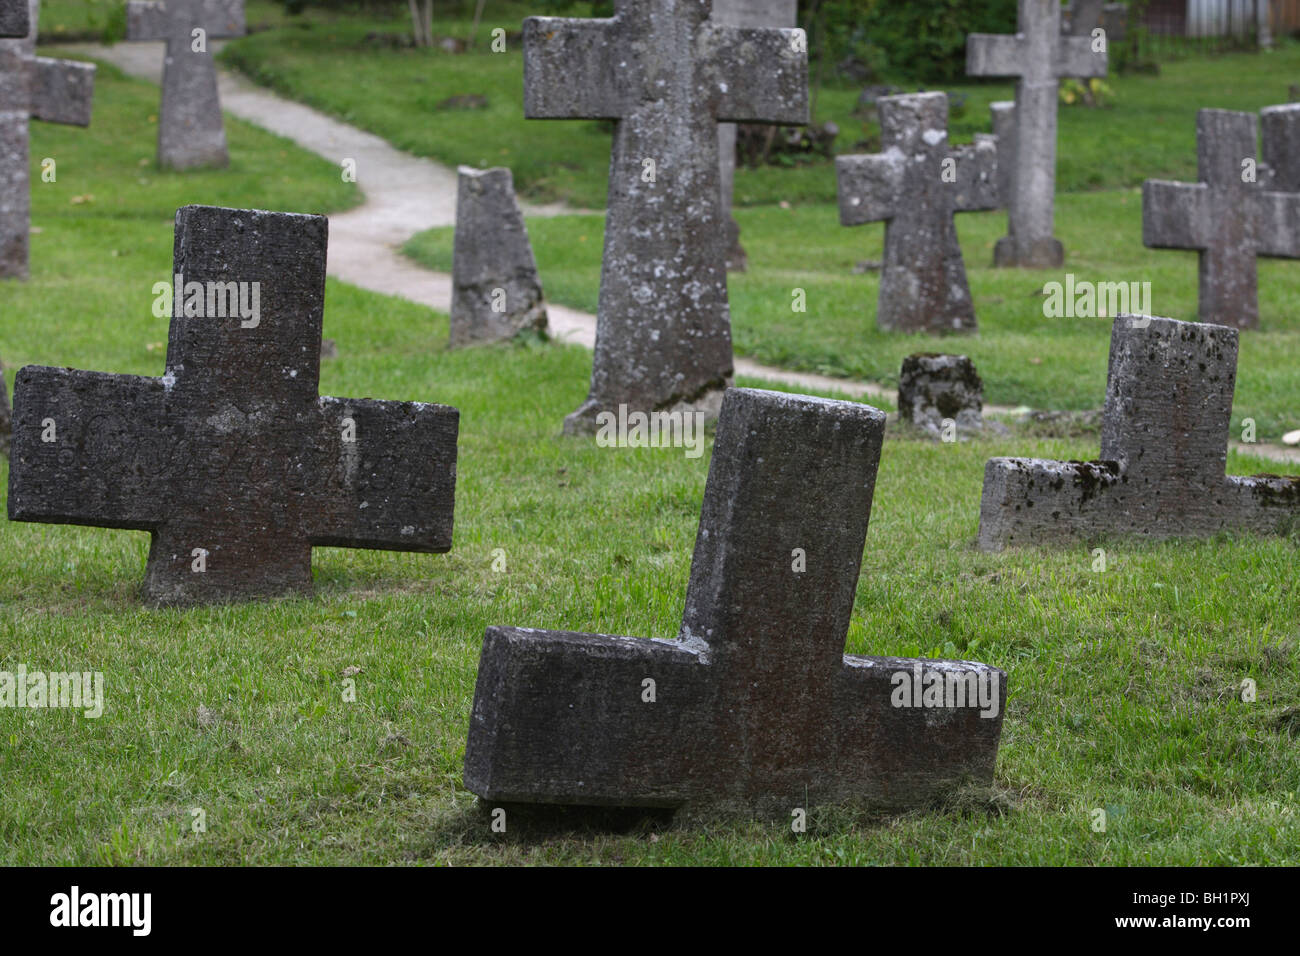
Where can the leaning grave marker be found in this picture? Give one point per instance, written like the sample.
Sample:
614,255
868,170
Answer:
755,707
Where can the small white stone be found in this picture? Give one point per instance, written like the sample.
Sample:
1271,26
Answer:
1291,438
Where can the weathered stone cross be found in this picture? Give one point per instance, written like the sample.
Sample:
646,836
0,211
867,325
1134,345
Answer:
31,87
916,185
756,706
190,128
667,75
231,460
1039,55
1164,445
1231,216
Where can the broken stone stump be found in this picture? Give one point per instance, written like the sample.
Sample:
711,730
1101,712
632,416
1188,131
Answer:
917,183
1039,55
667,75
754,708
31,88
496,292
231,461
1231,217
191,132
1164,445
935,389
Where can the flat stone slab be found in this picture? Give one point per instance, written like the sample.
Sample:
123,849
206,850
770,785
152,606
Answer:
1230,217
496,291
1164,446
916,185
191,131
667,75
755,708
933,389
231,460
1039,55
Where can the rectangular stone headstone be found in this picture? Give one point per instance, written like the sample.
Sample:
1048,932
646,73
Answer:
743,13
916,184
191,132
667,75
231,460
755,707
496,292
1039,55
31,87
1230,217
1164,445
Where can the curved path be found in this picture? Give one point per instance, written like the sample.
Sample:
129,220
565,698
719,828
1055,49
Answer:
365,242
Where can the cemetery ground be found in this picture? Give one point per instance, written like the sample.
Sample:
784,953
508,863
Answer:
1124,682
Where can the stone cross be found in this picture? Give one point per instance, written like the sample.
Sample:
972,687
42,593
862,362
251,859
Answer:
1230,217
1164,445
743,13
231,460
1281,153
31,87
916,185
495,292
666,74
1039,55
190,129
755,707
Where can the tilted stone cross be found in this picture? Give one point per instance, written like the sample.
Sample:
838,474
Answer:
916,184
1230,217
190,128
755,707
1281,153
231,460
742,13
666,75
31,87
1039,55
1164,446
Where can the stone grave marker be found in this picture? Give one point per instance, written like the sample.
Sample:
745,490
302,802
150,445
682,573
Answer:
667,75
933,389
1002,116
1281,152
496,292
1164,445
1039,55
1230,217
231,460
190,128
755,707
31,87
742,13
916,185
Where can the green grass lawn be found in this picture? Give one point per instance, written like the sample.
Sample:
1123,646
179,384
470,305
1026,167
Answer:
1123,684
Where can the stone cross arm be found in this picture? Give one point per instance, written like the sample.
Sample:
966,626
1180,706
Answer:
588,69
158,20
118,456
997,54
1176,215
869,186
63,91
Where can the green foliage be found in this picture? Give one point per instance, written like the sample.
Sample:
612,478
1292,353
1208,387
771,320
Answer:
921,40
